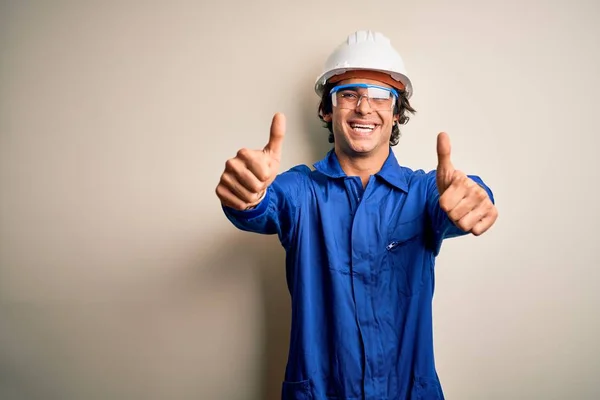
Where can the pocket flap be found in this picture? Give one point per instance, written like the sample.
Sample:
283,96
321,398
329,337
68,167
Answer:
405,231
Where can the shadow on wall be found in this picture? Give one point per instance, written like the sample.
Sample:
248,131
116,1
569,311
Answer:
275,295
262,257
277,311
266,257
277,318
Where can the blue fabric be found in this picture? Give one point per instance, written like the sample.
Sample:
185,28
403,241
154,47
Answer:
360,272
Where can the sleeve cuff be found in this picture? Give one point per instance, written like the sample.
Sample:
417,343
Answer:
252,213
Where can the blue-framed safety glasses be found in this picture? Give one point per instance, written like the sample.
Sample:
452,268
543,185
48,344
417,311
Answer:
350,96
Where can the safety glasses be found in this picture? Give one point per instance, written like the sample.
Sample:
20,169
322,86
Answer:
350,96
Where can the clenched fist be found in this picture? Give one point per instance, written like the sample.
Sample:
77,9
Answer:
247,175
467,204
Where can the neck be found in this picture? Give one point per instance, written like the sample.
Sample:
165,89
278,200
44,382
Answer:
362,166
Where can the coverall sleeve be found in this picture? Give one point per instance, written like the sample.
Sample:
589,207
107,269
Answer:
442,226
277,212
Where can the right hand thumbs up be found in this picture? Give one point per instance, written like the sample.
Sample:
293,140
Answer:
250,172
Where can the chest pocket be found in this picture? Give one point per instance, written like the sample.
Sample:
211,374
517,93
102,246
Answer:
405,257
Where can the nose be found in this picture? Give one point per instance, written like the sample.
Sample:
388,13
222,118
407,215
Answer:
363,107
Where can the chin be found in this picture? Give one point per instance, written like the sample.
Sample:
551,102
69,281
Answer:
364,144
362,147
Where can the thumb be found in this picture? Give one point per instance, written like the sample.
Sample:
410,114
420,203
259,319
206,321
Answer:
443,151
275,144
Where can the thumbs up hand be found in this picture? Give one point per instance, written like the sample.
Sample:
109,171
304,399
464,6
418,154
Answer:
247,176
467,204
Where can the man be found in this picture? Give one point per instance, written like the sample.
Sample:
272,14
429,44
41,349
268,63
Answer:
361,233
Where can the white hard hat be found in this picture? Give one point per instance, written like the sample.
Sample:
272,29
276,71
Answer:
365,50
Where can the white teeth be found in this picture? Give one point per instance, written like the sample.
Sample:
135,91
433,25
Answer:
363,128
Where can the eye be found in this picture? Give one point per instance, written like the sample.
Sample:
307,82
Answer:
380,100
348,95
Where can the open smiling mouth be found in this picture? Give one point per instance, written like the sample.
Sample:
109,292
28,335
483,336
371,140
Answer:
363,128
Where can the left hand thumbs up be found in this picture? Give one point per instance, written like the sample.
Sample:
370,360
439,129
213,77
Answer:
467,204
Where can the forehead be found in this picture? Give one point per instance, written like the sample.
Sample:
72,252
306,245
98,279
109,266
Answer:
362,80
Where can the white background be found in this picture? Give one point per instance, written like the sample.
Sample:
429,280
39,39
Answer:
120,278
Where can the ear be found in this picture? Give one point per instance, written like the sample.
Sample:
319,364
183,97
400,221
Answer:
327,117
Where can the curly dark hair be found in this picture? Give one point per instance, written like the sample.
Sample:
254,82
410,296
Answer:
402,108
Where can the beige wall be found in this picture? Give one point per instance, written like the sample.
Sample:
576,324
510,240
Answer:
121,279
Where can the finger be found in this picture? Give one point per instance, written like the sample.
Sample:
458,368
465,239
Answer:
464,206
248,180
486,222
245,163
457,190
474,196
252,160
472,218
443,153
234,164
229,199
259,168
275,145
230,182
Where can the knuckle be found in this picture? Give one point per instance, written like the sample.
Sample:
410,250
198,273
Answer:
243,153
226,179
223,184
464,226
445,203
481,227
454,215
230,164
482,194
263,172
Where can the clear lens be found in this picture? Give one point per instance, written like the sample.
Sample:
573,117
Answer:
350,96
